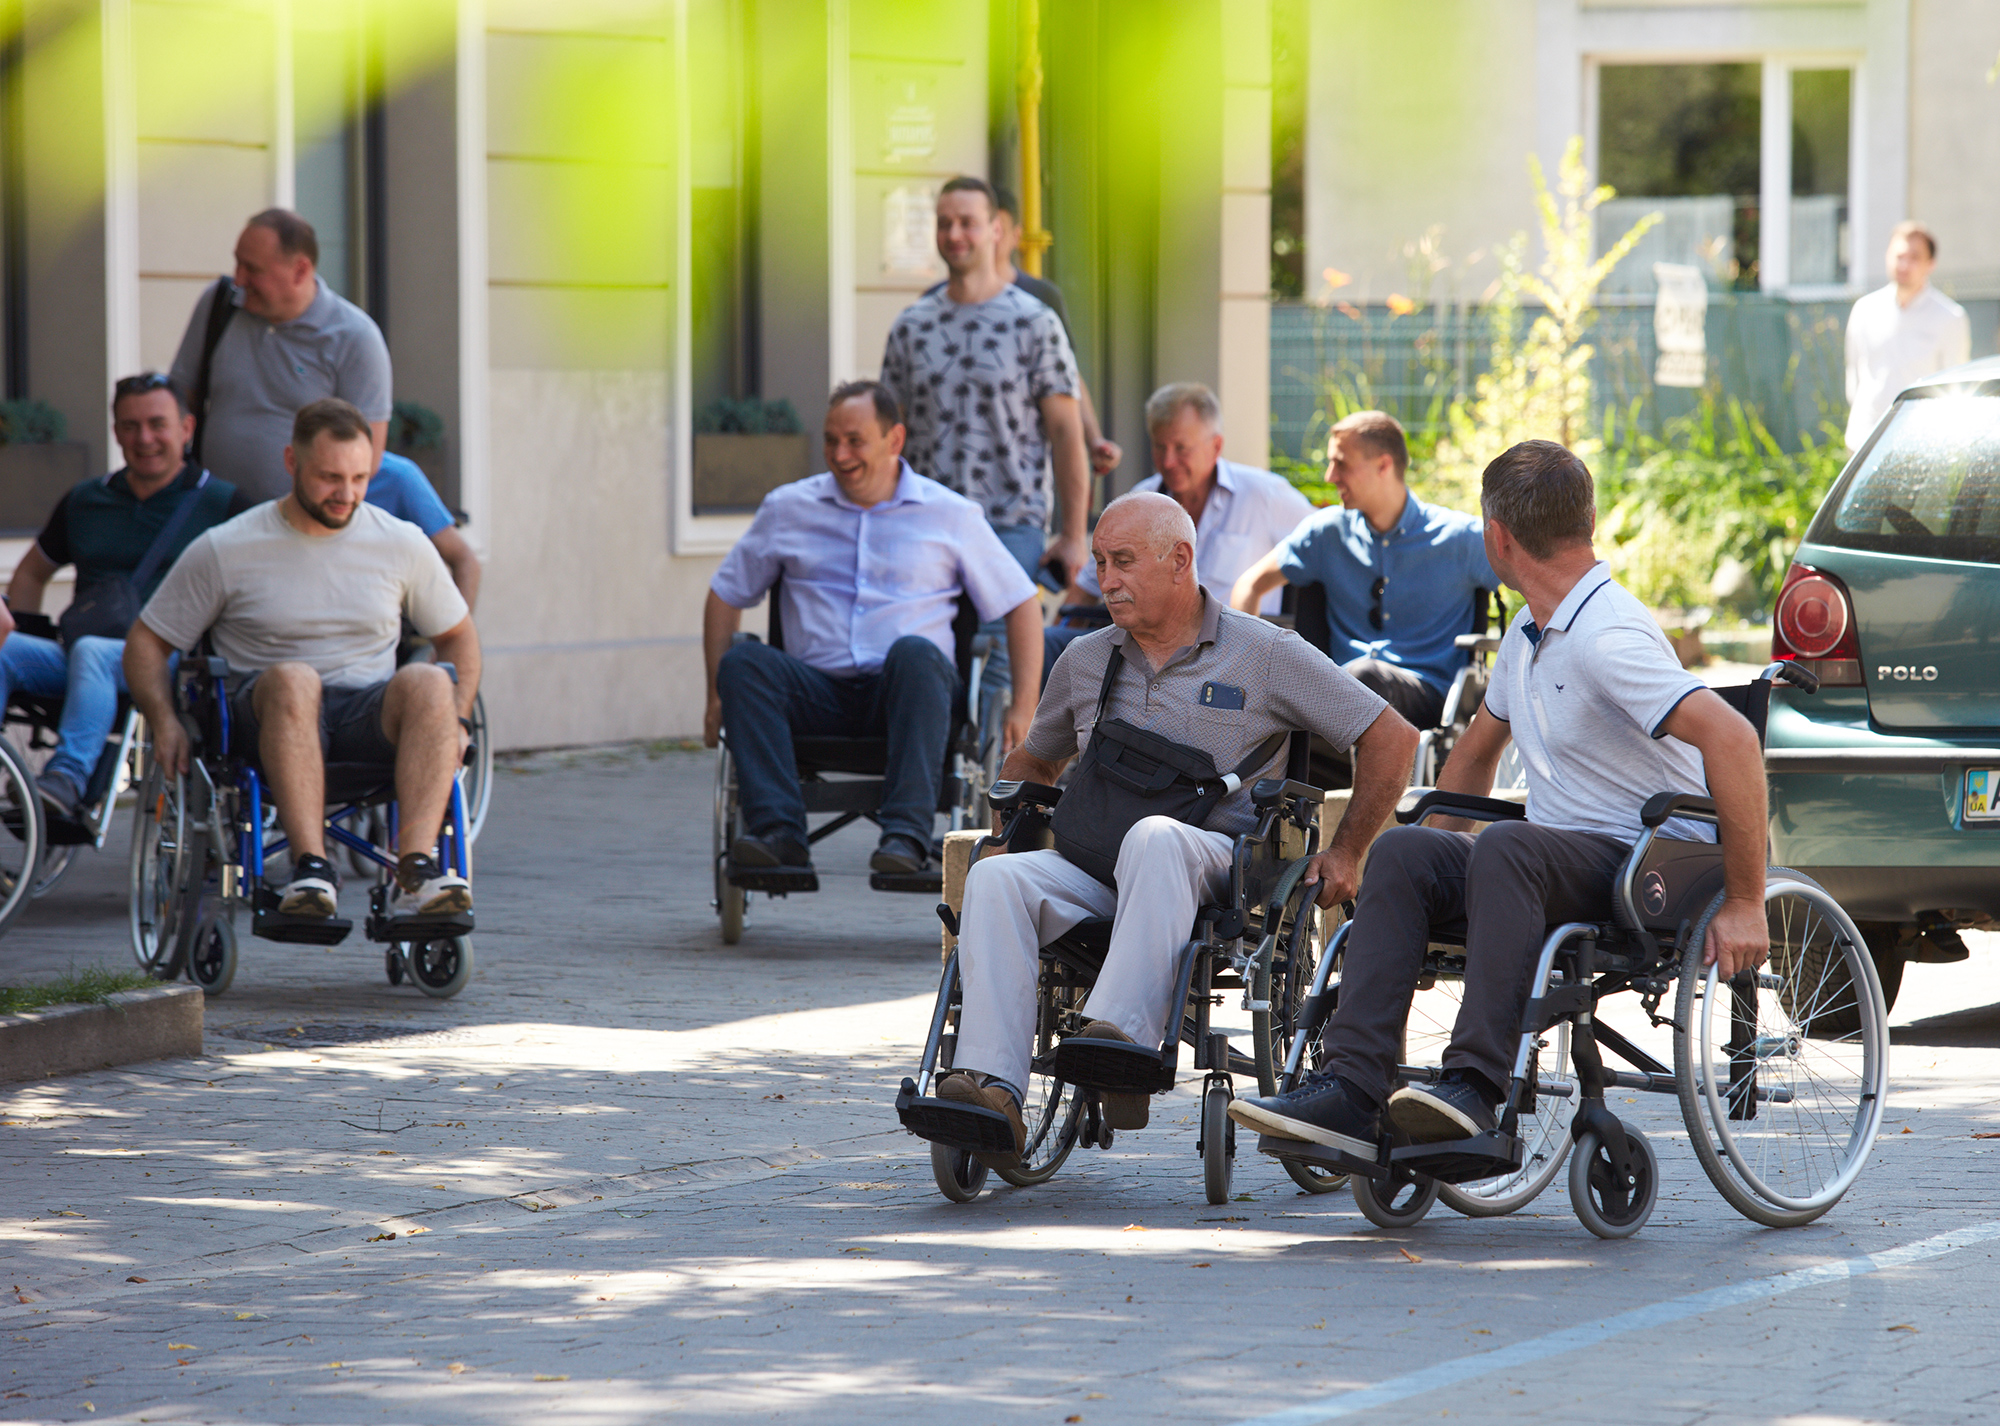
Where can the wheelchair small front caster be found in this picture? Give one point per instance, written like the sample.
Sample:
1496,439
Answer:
959,1175
1397,1202
392,964
1607,1207
1218,1143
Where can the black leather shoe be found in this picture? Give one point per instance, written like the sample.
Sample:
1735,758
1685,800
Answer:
1324,1110
60,796
898,855
769,851
1453,1108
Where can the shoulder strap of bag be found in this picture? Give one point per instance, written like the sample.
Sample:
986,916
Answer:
157,551
1111,667
220,310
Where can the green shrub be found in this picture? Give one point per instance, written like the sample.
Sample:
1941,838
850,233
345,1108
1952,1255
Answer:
748,416
31,423
79,987
415,429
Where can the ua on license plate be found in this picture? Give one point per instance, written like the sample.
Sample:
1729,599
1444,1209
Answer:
1982,794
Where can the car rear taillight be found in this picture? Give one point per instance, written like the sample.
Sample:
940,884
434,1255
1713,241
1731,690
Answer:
1814,624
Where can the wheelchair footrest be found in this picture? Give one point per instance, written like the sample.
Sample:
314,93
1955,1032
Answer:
416,929
927,883
1320,1156
959,1126
300,930
1461,1160
1111,1067
778,879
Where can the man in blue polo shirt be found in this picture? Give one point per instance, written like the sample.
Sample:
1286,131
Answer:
1400,574
873,557
109,529
400,487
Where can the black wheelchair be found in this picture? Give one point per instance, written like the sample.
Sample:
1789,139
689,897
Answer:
201,842
42,846
843,777
1781,1074
1263,945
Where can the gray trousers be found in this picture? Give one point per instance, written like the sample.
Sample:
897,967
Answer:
1420,704
1502,889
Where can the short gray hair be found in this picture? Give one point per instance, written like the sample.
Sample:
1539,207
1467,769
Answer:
1164,519
1178,396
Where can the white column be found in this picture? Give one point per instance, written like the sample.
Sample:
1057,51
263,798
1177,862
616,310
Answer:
284,107
1774,179
680,381
121,191
1878,187
842,360
475,437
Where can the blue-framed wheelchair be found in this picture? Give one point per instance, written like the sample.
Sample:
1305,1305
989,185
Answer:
1259,944
1781,1074
841,778
201,844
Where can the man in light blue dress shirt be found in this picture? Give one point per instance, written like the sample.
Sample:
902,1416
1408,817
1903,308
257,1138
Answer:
1400,574
873,557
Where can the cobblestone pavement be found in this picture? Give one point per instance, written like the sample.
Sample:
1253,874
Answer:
630,1174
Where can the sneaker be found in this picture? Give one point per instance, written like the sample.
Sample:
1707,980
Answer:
425,889
898,855
1326,1109
776,851
1453,1108
1121,1111
60,795
314,889
960,1087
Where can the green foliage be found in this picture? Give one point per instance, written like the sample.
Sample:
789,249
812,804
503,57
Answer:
415,429
750,416
79,987
31,423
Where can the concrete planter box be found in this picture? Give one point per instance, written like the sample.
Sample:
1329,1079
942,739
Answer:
33,478
133,1025
733,473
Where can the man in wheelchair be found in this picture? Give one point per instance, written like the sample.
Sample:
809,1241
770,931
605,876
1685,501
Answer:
304,599
1204,681
873,557
1605,718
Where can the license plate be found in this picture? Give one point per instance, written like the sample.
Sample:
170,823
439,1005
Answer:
1982,794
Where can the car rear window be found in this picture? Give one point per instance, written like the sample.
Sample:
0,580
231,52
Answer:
1929,486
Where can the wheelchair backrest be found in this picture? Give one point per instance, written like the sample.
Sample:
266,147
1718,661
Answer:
964,627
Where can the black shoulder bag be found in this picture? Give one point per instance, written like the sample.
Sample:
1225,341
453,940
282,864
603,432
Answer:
106,606
219,312
1127,773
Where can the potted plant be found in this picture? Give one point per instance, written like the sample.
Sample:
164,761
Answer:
744,449
37,466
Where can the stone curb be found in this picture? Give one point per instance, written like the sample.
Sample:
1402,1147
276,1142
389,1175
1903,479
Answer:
130,1026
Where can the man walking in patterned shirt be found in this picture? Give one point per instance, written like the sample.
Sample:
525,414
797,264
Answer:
988,383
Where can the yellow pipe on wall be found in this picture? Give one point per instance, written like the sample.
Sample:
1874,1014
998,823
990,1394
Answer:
1035,239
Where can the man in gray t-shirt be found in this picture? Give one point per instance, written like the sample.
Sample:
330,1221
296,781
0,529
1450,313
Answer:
292,341
305,598
1605,717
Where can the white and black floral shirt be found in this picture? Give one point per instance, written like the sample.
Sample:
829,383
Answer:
971,379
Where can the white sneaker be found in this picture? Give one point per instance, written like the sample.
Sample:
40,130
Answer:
425,889
314,889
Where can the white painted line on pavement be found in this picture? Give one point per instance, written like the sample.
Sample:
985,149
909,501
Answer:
1590,1334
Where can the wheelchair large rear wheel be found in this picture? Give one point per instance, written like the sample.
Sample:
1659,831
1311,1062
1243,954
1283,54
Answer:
729,900
477,780
1782,1099
1053,1110
22,843
159,850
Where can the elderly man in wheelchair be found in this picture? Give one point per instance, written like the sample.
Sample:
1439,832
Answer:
1615,737
1179,707
302,601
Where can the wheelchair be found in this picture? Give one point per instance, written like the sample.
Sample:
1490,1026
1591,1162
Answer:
1262,945
44,846
843,776
1781,1074
201,841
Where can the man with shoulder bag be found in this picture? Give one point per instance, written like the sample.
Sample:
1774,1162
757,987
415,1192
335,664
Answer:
1179,707
122,532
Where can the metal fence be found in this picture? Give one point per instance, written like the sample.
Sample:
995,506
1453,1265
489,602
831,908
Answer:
1781,358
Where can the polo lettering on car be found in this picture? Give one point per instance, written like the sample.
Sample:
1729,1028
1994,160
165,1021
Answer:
1906,673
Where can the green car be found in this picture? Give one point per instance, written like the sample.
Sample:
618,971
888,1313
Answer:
1885,786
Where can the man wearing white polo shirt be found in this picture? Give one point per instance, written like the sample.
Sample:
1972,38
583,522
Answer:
1605,717
1901,332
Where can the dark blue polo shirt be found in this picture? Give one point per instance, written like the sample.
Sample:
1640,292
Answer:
103,529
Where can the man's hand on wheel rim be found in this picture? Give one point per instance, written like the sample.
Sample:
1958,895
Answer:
1337,874
711,724
1739,939
170,749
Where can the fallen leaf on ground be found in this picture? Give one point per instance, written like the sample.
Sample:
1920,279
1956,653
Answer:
1906,1129
65,1213
1094,1396
135,1279
1072,1418
1204,1265
1410,1255
1482,1331
1986,1136
385,1153
182,1347
183,1362
335,1364
249,1317
774,1096
88,1407
539,1376
383,1238
456,1367
1902,1327
1135,1228
857,1250
412,1232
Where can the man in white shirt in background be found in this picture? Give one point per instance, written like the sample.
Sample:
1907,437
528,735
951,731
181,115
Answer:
1900,333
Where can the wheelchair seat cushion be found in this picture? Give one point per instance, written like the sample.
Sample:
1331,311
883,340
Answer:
865,757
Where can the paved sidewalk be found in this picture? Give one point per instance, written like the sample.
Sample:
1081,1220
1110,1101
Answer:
631,1174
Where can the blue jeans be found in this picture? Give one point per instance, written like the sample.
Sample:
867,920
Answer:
88,679
768,696
1025,543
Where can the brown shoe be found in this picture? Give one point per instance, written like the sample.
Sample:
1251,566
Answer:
1121,1111
961,1088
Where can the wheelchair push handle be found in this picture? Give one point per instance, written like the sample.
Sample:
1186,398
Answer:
1786,671
1456,804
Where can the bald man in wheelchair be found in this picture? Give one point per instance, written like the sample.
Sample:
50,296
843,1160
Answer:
1605,717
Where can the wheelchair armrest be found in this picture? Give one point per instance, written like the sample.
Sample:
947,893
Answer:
743,637
982,646
1456,804
451,670
35,624
1662,805
1268,792
1010,794
1484,643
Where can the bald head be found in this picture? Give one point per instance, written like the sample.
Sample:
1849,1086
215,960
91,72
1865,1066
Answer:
1144,548
1157,521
